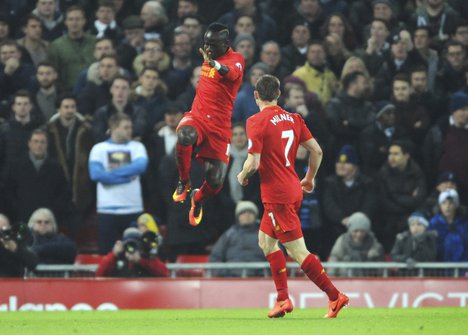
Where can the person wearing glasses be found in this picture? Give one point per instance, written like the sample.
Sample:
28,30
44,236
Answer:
51,246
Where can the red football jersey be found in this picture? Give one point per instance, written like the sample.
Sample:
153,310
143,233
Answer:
215,95
276,135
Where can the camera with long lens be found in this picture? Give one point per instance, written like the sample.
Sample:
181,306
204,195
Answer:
18,233
131,246
150,243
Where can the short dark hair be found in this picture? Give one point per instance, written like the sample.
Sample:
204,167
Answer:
21,94
11,43
106,3
149,68
350,78
401,77
74,8
418,68
268,87
452,43
460,23
217,27
104,38
383,21
46,63
116,119
38,131
405,146
30,17
65,96
111,56
121,77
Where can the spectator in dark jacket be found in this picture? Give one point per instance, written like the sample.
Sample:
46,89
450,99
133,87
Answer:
15,257
451,228
445,144
14,74
51,246
376,138
150,95
350,112
416,244
451,76
95,95
14,134
347,192
38,181
402,189
120,91
240,242
401,59
410,114
293,55
127,259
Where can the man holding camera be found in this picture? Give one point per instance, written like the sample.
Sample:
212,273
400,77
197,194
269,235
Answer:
15,256
133,256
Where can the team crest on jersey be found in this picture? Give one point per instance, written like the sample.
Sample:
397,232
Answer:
239,65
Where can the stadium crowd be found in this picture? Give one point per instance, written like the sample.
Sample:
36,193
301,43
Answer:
381,84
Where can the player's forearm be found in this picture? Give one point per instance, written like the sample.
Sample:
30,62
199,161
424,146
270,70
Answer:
250,167
315,158
222,69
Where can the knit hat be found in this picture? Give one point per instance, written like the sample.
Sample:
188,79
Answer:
449,194
347,154
244,206
359,221
418,216
382,106
458,100
260,65
131,234
446,176
243,37
150,223
133,22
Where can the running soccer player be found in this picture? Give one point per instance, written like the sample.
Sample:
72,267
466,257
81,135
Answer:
274,136
208,125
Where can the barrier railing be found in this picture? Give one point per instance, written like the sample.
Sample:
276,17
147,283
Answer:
262,269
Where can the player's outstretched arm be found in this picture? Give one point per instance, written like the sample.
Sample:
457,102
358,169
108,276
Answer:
315,159
222,69
251,165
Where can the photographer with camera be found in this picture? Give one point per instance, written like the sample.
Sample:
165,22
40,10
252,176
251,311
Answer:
134,256
15,256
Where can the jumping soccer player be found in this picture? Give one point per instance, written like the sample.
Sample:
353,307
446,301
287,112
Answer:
208,124
274,136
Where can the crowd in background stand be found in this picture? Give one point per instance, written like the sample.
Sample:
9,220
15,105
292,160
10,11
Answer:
382,85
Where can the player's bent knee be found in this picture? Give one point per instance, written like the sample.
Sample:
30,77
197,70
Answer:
187,135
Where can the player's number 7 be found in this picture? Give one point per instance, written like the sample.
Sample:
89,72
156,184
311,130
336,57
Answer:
289,134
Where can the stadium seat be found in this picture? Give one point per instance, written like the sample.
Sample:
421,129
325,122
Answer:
192,259
86,259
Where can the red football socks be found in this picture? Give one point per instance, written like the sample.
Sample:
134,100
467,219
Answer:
206,191
316,273
279,274
184,157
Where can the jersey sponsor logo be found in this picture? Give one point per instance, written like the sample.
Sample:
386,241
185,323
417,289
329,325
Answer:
280,118
207,71
239,65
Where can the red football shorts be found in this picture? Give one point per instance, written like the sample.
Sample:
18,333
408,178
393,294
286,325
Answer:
212,142
280,221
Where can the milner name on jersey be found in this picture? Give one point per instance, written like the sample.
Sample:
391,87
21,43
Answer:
281,117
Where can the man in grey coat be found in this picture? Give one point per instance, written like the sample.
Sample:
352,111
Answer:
240,242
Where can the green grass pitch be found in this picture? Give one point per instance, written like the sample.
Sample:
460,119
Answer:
238,321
